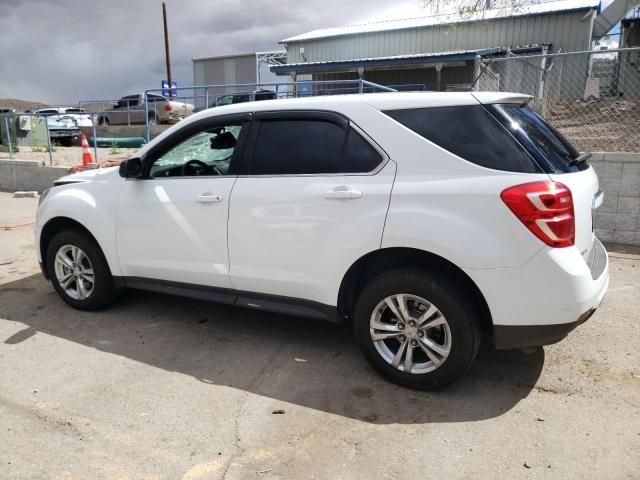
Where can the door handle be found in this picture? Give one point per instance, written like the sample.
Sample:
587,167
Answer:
208,198
342,194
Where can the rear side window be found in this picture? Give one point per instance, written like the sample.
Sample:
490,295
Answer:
310,146
470,132
551,150
289,147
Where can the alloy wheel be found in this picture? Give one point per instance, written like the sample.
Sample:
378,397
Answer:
410,333
74,272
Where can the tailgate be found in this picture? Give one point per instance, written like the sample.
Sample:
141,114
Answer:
586,194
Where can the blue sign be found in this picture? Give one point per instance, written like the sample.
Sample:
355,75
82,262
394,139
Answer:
165,88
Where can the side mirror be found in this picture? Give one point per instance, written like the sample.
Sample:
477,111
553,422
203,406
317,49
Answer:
131,168
223,141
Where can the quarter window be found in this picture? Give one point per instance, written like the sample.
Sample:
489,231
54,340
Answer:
359,155
470,132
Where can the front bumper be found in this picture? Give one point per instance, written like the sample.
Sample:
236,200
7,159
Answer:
540,302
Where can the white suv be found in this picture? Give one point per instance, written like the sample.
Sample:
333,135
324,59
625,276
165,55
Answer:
424,219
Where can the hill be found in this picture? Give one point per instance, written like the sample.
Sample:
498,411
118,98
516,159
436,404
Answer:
20,105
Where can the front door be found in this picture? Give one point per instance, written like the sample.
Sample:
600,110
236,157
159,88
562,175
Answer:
172,225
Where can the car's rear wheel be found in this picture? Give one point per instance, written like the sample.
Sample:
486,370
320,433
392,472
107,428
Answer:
79,272
416,328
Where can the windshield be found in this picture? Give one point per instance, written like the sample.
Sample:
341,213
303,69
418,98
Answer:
550,148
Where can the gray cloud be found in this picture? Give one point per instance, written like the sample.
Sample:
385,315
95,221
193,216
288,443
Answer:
66,51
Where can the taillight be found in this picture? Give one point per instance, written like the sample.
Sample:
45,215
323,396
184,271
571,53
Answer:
167,107
546,208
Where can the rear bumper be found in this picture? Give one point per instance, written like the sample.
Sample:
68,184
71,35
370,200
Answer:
540,302
507,337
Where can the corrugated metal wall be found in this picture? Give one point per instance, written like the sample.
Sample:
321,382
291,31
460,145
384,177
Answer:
225,70
569,31
423,76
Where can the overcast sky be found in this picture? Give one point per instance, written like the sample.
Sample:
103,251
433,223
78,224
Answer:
65,51
68,50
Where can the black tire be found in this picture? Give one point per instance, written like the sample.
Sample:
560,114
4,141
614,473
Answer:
154,120
104,291
104,121
460,314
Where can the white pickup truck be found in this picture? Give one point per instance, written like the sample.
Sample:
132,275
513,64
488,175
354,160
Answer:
129,110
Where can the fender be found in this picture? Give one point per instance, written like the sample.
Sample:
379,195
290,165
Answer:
88,200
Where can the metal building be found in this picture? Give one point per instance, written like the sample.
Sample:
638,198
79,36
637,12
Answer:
438,51
237,69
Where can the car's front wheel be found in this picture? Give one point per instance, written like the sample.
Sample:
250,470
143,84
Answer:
416,328
79,272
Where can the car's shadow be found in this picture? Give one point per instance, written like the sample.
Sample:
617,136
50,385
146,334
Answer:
308,363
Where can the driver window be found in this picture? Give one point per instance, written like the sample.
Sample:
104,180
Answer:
206,153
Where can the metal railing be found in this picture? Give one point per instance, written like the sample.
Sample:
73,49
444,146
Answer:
592,97
10,121
280,90
148,108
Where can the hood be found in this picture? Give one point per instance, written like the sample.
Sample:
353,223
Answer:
57,122
93,175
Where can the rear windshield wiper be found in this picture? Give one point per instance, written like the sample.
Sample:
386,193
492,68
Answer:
580,158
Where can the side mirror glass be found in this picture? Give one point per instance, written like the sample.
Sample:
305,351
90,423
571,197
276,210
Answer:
223,141
131,168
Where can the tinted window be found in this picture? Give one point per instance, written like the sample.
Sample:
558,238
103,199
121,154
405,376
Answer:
155,98
206,153
548,146
226,100
470,132
286,147
359,155
130,101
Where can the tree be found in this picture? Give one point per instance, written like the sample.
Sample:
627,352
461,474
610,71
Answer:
466,8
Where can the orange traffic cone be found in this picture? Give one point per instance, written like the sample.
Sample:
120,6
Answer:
87,158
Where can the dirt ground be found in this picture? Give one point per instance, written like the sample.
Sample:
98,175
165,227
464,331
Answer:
159,387
69,156
606,125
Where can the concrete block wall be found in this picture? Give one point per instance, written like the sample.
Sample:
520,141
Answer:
618,219
28,175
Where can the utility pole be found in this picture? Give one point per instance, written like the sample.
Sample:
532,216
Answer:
166,46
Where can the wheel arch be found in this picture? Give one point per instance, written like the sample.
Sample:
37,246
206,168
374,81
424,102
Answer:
52,228
385,259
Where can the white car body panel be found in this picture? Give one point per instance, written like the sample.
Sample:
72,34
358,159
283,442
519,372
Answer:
91,201
285,239
170,228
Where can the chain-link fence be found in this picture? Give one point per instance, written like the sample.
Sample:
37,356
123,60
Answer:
592,97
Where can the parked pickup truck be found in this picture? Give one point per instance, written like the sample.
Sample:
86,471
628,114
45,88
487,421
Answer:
63,130
130,110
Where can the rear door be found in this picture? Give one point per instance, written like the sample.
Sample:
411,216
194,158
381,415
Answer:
313,201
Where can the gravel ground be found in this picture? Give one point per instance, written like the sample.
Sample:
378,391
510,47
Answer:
159,387
70,156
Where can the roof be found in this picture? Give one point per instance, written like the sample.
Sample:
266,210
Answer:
447,19
342,103
417,59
